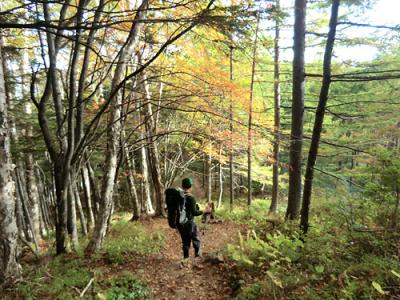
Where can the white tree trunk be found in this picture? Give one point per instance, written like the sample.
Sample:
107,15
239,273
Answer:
153,150
88,196
147,204
8,226
130,163
31,185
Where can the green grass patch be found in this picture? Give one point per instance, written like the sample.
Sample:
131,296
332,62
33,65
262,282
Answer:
126,239
60,278
243,214
124,286
346,254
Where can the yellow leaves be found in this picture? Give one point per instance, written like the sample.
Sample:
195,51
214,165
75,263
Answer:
378,288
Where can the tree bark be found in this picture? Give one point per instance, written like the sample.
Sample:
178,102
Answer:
27,217
52,88
231,167
94,187
114,133
131,185
88,196
250,124
319,118
72,229
296,135
31,185
152,147
221,182
147,206
209,176
277,115
80,211
10,268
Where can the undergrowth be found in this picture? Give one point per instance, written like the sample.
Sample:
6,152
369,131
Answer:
347,254
66,276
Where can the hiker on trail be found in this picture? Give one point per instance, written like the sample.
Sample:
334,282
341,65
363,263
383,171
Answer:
189,232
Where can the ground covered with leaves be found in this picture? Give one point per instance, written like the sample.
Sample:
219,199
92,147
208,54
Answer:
140,260
349,253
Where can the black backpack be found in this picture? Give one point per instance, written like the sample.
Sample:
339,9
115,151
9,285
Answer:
176,207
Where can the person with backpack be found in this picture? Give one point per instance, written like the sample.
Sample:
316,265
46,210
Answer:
189,230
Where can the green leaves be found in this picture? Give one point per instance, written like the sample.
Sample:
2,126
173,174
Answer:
319,269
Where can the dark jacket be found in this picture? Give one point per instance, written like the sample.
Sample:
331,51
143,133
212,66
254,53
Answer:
192,209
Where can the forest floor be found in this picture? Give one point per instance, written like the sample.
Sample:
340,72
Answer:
206,277
140,260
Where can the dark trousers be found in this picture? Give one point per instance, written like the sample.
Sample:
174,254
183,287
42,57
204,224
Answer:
189,233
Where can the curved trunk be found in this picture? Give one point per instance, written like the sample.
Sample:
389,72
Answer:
114,133
319,117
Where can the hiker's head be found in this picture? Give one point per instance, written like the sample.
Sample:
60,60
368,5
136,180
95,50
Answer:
187,184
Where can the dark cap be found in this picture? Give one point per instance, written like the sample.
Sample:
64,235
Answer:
187,183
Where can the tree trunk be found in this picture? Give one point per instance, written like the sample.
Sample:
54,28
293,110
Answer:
28,220
319,117
131,185
147,206
9,269
61,210
33,194
80,211
22,229
296,135
250,124
72,230
31,185
88,196
221,182
114,133
95,189
43,195
277,116
153,155
61,169
209,176
231,167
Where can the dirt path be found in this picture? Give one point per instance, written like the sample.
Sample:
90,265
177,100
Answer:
200,278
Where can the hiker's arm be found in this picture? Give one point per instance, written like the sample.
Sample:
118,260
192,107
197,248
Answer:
194,208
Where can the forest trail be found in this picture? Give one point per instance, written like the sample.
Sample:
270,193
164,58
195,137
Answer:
199,278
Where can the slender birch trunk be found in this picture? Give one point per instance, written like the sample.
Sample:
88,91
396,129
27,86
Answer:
221,182
80,211
209,176
146,193
131,185
153,154
88,196
31,185
94,187
10,268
